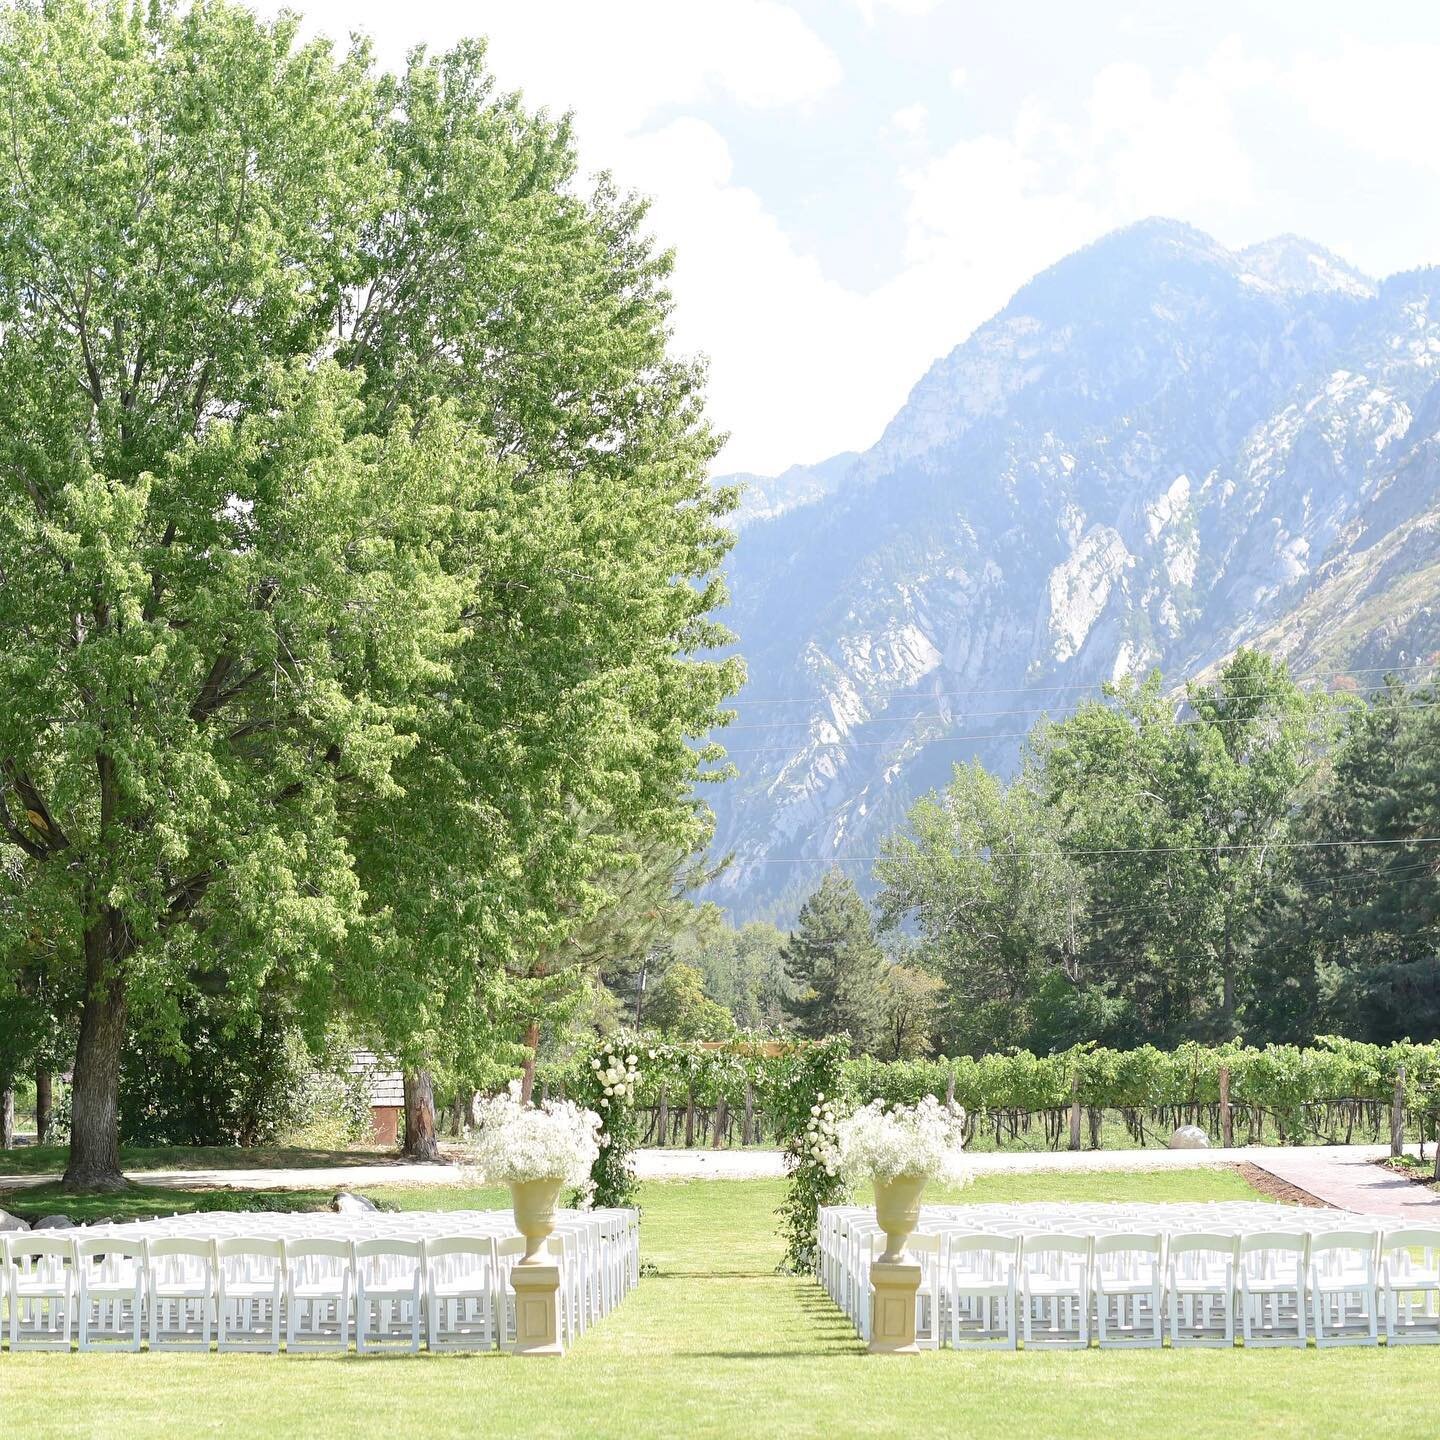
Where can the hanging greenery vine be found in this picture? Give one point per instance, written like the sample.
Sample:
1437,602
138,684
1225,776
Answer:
606,1085
801,1091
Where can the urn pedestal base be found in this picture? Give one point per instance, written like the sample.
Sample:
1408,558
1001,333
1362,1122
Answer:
893,1287
537,1309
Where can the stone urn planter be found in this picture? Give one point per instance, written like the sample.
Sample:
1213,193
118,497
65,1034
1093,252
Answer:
897,1211
534,1204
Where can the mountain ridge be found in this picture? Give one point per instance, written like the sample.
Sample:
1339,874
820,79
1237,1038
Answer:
1156,450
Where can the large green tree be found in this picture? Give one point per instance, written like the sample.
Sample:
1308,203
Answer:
981,875
1179,817
1351,935
835,966
354,531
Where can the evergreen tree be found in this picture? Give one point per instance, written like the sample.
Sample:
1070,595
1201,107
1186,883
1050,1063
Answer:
837,967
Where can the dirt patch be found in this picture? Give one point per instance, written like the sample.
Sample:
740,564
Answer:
1418,1172
1277,1189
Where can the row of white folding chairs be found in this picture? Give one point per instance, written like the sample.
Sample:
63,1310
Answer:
107,1289
994,1288
608,1239
1225,1217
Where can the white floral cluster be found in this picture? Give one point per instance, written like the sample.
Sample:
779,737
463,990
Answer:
819,1145
618,1076
513,1143
925,1139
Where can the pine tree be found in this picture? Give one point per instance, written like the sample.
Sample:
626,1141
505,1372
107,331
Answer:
836,966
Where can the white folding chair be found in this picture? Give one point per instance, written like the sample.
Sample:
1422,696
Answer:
980,1290
1271,1267
924,1250
250,1290
1129,1280
42,1290
1344,1297
1410,1283
389,1298
460,1292
319,1293
1055,1289
110,1291
180,1292
1199,1282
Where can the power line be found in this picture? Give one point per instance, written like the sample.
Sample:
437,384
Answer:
1112,850
893,718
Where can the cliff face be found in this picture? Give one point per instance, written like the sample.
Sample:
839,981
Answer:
1157,451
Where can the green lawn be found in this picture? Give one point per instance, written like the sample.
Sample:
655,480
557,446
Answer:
716,1344
38,1159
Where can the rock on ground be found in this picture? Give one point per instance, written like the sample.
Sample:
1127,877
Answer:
1189,1137
347,1204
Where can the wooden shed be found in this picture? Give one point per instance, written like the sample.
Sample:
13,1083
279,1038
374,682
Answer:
386,1087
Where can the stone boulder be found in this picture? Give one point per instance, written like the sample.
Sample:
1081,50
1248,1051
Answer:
1189,1137
347,1204
12,1222
54,1222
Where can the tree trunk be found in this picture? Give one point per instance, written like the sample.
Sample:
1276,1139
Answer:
95,1094
420,1117
7,1117
44,1104
527,1079
1227,998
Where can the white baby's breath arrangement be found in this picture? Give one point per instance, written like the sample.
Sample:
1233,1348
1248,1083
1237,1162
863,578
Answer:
880,1143
513,1143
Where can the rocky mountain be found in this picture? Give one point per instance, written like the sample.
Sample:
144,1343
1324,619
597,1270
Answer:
1157,451
764,497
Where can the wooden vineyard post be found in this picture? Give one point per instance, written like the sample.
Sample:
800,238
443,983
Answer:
747,1124
1397,1115
690,1117
1075,1113
1227,1127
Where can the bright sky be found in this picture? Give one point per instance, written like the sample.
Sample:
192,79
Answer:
851,186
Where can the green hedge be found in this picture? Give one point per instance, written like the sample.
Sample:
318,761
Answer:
1336,1089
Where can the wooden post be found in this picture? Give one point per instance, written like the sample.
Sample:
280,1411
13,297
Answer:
690,1117
722,1123
747,1125
1075,1113
1397,1114
1227,1126
662,1125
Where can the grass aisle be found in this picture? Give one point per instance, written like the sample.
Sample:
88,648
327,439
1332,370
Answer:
716,1344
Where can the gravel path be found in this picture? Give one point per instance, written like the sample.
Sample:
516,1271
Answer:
1345,1176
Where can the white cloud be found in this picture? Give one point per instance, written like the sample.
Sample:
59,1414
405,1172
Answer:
909,122
871,9
615,69
959,78
1382,100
